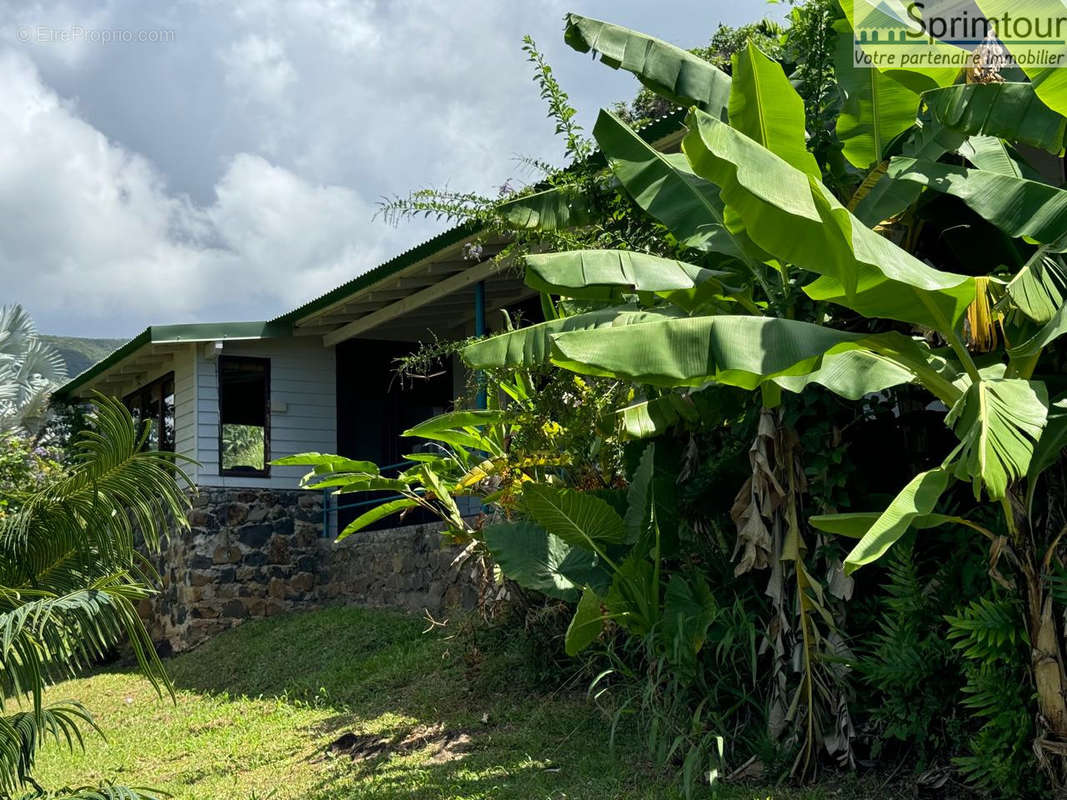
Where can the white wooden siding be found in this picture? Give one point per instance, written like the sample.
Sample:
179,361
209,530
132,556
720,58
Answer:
302,379
185,406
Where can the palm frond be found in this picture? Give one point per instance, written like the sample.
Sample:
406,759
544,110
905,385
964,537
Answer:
70,581
30,369
22,734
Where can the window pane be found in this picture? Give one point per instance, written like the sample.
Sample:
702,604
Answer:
151,413
243,402
167,428
242,448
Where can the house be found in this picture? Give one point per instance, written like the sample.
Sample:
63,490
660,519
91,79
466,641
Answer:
230,397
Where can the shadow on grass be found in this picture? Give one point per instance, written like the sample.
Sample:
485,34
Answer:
521,760
387,681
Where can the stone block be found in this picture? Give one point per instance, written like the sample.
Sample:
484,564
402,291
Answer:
246,574
302,582
227,554
278,550
255,535
257,513
236,514
255,559
234,609
199,518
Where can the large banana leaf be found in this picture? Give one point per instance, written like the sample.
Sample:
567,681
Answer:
532,345
667,189
998,422
855,524
765,107
992,154
887,197
1017,206
597,274
1039,288
850,374
1007,110
327,464
1051,330
741,351
876,110
712,406
664,68
554,209
920,73
915,501
1049,446
649,418
795,218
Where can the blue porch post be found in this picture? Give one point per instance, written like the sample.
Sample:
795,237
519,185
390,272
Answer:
479,331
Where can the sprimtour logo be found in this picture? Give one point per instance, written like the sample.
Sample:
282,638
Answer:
956,33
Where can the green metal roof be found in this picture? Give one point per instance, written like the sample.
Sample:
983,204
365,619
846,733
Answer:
170,334
452,236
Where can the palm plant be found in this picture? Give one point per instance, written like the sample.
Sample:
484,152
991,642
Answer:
29,370
71,577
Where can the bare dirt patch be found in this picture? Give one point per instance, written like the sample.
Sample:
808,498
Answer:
444,745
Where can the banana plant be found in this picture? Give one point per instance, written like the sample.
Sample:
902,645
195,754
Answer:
740,191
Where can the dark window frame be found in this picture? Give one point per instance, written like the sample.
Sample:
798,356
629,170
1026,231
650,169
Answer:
160,416
247,473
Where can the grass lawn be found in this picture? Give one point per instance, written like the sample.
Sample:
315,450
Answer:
258,708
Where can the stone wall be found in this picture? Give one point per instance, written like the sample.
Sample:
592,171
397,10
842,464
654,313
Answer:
253,553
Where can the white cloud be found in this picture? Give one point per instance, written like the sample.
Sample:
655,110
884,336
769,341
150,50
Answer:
258,68
90,232
233,170
290,234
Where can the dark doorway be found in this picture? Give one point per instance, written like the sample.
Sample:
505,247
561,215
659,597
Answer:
374,408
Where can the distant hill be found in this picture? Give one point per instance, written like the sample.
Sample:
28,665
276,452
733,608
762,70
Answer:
80,354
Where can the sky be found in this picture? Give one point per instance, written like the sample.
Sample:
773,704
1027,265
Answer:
202,160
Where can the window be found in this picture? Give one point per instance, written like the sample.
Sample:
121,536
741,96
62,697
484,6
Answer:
244,416
155,403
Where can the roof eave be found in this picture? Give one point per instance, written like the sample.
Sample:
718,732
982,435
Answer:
172,334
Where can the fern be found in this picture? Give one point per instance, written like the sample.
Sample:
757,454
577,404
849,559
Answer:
987,629
990,635
909,663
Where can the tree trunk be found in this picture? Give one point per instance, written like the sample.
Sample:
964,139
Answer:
1050,680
